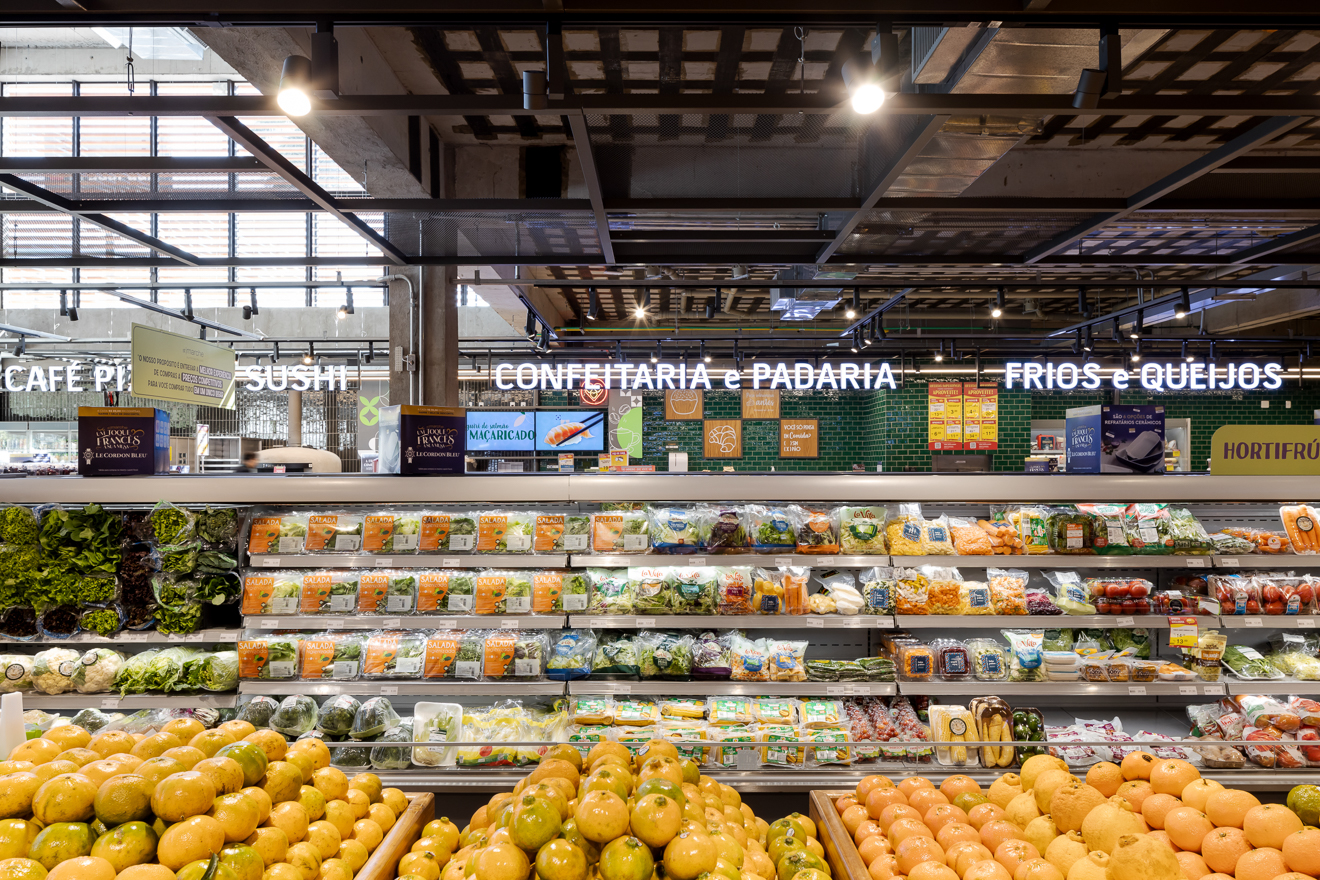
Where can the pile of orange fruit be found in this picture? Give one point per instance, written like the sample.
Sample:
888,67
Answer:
612,816
1146,819
186,803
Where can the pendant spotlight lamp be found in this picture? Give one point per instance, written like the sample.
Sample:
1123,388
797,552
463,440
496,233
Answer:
998,310
303,78
1184,306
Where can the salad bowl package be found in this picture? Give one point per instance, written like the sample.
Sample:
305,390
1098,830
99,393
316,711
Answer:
386,591
277,533
333,591
817,530
862,530
436,724
611,591
386,532
454,653
772,529
334,533
554,592
332,656
676,529
620,531
693,589
515,655
394,654
447,533
728,531
505,532
272,592
267,657
445,591
503,592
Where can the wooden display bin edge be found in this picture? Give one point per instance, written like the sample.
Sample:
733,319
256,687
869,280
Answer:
840,851
406,831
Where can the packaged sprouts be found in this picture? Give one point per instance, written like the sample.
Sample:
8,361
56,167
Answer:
620,531
679,529
773,529
861,530
504,532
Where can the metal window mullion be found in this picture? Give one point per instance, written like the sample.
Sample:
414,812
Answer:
155,188
311,172
307,270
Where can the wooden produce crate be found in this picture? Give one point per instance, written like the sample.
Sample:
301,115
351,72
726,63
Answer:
406,831
840,851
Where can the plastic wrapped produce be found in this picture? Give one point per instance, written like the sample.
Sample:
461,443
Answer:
405,537
277,533
446,591
1008,590
771,529
1003,533
332,656
712,655
447,533
257,711
385,757
1025,658
1109,534
664,655
1189,537
1149,529
373,718
728,533
936,539
560,533
693,589
295,716
616,656
335,717
677,529
268,657
944,593
1070,594
456,654
969,539
275,592
504,532
332,592
53,670
817,530
515,655
990,662
502,592
1071,532
620,531
651,590
767,591
394,654
571,655
734,589
862,530
611,592
911,592
843,594
1033,526
436,723
334,533
784,658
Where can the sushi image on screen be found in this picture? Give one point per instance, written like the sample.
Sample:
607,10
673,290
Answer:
580,431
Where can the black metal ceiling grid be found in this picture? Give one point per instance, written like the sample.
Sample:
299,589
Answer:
1206,62
1182,239
471,234
165,185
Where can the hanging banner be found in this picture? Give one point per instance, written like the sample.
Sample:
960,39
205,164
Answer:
980,416
167,366
944,415
1285,450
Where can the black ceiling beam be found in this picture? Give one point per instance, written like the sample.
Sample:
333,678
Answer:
61,204
903,156
1274,245
923,104
1243,143
152,164
898,296
269,156
595,196
175,313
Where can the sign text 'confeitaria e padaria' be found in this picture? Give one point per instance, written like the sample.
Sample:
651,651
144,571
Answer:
682,377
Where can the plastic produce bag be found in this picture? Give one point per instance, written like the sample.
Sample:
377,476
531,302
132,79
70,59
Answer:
936,539
611,591
393,757
843,594
571,655
1026,658
771,529
733,586
17,673
817,530
1302,523
862,530
559,591
1008,590
651,590
447,533
103,619
784,660
728,532
53,670
336,715
1070,593
436,723
767,591
1110,537
664,655
692,589
750,659
969,539
373,718
505,532
257,711
679,529
295,716
171,524
712,655
616,657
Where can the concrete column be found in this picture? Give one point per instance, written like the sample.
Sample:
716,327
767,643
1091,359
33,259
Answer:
439,336
403,323
295,418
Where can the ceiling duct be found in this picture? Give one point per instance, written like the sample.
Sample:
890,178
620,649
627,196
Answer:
806,303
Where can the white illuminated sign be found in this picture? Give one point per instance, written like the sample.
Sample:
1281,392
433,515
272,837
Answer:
679,377
294,378
1155,377
74,376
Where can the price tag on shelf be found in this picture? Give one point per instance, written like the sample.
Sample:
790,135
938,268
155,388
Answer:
859,690
509,623
1136,690
226,635
826,560
1197,562
268,623
854,622
598,622
1252,622
390,690
446,623
1306,623
393,622
195,637
837,690
1124,621
698,560
816,622
384,562
646,623
142,637
1229,561
1186,690
334,622
1182,632
110,703
784,561
622,688
1212,690
270,562
450,562
174,637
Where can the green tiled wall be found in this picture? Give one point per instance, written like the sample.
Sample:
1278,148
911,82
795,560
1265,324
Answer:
890,426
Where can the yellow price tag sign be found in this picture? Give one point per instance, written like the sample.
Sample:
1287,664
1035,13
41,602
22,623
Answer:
1182,632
